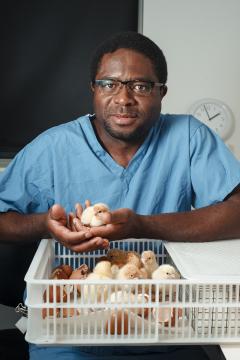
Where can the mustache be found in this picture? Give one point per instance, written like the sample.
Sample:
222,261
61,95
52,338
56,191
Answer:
123,112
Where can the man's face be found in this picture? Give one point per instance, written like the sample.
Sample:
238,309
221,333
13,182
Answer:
126,115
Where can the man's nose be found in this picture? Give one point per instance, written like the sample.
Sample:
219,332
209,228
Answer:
124,96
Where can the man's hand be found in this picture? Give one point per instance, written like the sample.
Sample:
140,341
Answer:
62,229
120,224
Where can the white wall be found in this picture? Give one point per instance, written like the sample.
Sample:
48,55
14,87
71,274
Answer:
201,42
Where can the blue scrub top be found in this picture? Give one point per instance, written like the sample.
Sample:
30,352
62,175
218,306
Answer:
181,163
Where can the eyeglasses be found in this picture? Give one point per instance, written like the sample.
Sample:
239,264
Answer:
138,87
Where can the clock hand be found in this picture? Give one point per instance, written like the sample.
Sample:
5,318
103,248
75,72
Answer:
206,112
214,116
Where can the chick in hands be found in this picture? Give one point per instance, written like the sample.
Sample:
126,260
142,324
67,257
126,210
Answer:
92,215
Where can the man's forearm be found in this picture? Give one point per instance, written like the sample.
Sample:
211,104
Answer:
15,227
221,221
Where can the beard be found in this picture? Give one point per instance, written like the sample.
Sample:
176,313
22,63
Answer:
133,136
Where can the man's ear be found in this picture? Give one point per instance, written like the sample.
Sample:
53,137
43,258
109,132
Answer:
163,90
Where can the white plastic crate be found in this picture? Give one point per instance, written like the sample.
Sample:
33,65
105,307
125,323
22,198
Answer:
187,311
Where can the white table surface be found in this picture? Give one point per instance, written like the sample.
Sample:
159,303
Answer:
231,352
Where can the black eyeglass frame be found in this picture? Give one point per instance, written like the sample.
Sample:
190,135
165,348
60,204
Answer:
127,82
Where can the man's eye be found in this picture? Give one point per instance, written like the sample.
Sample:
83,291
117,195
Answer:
142,87
108,85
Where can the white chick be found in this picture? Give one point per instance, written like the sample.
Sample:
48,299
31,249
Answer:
90,215
122,297
128,272
165,272
95,292
149,261
115,269
126,297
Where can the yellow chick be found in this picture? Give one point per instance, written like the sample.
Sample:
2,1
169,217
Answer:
91,293
134,258
119,258
165,272
128,272
102,270
90,215
149,261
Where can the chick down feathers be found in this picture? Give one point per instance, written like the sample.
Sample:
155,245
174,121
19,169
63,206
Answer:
97,292
91,216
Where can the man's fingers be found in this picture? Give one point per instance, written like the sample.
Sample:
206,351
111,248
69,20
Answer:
90,245
63,233
102,231
77,224
87,203
57,213
70,221
115,217
69,231
79,210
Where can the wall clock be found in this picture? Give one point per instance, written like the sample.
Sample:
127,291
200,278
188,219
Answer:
216,115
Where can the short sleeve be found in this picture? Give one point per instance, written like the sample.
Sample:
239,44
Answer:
24,184
215,172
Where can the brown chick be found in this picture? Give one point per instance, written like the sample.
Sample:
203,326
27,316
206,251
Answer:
149,261
101,258
117,257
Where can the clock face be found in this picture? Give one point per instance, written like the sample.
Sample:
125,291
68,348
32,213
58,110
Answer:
216,115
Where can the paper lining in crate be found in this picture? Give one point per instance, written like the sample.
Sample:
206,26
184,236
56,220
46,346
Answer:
124,312
217,261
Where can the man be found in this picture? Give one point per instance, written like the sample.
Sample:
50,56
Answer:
149,168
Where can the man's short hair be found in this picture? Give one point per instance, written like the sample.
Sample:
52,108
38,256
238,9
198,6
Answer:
136,42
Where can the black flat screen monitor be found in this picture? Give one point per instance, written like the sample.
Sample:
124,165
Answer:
46,47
